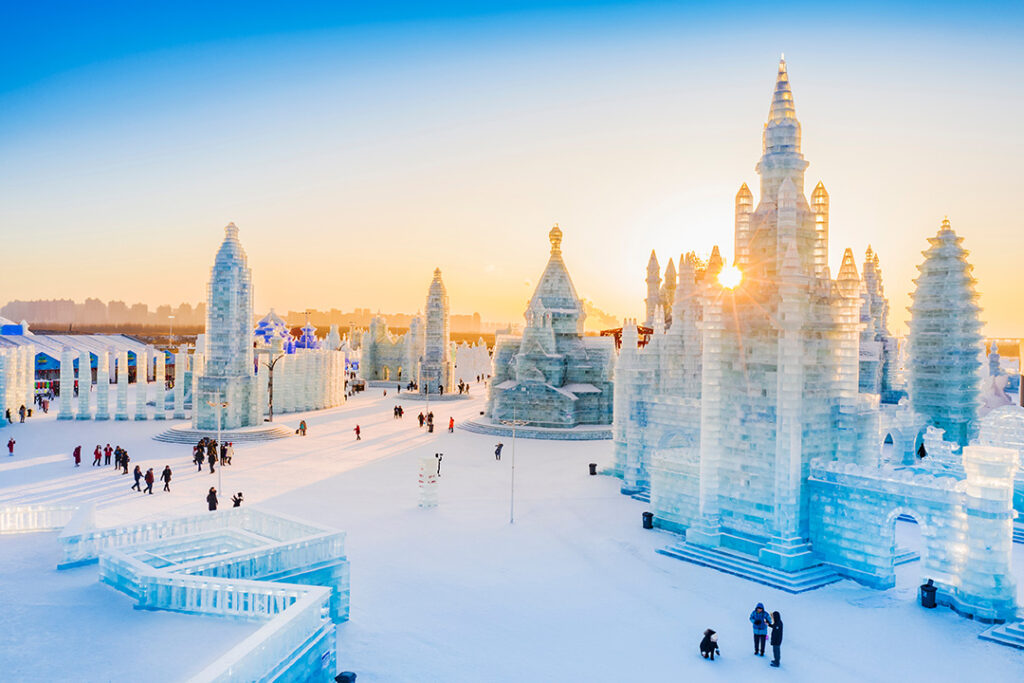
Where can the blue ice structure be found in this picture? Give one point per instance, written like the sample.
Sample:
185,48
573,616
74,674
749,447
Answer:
946,348
238,563
227,375
746,424
553,380
272,326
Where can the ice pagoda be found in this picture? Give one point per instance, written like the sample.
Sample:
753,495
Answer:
436,375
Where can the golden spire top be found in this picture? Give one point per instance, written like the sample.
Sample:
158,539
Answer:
782,101
556,240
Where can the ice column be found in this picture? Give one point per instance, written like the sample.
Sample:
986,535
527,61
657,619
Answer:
707,530
141,384
122,386
84,385
428,481
28,376
160,386
987,589
67,384
103,385
180,370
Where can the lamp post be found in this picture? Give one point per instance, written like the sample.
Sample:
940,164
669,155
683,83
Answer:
170,332
270,389
512,495
220,406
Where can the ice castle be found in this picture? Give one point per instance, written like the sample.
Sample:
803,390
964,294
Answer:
753,421
227,375
436,374
553,376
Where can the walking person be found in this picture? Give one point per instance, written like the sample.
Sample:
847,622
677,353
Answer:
97,456
761,621
776,639
440,457
497,451
212,458
709,645
106,454
451,425
149,481
21,413
165,477
211,499
237,500
358,433
198,458
77,453
125,460
302,428
137,473
10,447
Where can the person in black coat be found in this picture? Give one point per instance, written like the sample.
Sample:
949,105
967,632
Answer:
138,478
165,477
212,458
211,498
709,645
776,640
237,500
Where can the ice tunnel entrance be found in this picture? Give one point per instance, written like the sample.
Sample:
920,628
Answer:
909,545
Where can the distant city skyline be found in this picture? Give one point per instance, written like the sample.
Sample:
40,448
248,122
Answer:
358,148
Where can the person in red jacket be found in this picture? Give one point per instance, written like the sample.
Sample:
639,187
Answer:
451,425
10,447
78,455
97,455
106,454
358,432
149,481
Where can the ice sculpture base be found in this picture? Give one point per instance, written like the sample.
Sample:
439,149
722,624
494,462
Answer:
484,425
788,555
187,434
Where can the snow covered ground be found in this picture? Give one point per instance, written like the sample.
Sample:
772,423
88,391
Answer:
573,591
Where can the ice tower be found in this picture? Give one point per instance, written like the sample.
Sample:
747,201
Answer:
436,376
228,375
946,348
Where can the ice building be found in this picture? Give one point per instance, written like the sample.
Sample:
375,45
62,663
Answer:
228,372
553,376
745,423
17,380
946,347
472,361
436,374
878,347
391,358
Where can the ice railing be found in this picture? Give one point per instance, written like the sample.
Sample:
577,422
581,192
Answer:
17,519
298,614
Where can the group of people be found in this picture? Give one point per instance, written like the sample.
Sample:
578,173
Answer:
399,412
761,622
211,499
209,452
23,412
148,477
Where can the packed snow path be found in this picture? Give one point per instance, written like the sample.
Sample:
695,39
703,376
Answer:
573,591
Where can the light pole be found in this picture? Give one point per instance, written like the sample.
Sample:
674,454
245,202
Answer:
220,406
170,332
512,496
270,390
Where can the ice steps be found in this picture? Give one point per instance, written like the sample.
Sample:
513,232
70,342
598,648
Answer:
1018,533
642,496
748,568
905,555
1010,634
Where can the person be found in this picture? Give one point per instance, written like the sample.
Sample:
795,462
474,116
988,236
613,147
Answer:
199,459
440,457
237,500
398,388
97,456
230,452
137,473
7,415
124,460
451,425
10,447
223,452
78,455
776,639
21,413
211,499
302,428
761,621
212,458
497,451
149,481
106,454
358,433
165,477
709,645
420,418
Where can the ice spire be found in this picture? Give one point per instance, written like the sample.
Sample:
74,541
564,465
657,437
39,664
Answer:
781,156
782,101
715,265
653,288
556,240
848,280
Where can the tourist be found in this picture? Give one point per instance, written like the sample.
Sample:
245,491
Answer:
398,388
451,425
21,412
10,447
124,460
149,481
165,477
302,428
761,621
211,499
97,457
709,645
106,454
7,415
223,453
497,451
77,453
229,452
420,418
212,458
198,458
776,638
137,473
358,433
237,500
440,457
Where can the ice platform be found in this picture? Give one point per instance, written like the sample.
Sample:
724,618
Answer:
484,425
746,567
187,434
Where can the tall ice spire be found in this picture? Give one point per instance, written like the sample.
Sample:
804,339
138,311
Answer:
781,156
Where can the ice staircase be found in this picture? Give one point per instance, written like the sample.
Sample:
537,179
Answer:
905,555
745,566
1010,634
1018,532
642,496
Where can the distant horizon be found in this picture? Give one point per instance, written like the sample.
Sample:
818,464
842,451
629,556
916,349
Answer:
358,148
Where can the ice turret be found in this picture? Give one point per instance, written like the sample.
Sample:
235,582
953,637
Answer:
436,375
744,207
781,156
653,288
715,265
945,343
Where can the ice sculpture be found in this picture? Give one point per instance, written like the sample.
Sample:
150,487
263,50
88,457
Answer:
945,342
553,376
103,385
436,376
67,384
141,385
428,481
122,386
84,385
228,375
160,385
180,373
17,379
390,358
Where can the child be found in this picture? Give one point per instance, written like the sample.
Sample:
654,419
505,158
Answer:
709,645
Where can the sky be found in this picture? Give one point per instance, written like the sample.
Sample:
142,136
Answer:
357,148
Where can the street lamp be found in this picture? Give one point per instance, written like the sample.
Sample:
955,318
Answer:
170,332
270,398
512,497
219,405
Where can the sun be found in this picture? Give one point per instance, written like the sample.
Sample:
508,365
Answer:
730,277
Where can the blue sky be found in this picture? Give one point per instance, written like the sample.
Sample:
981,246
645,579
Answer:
358,148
